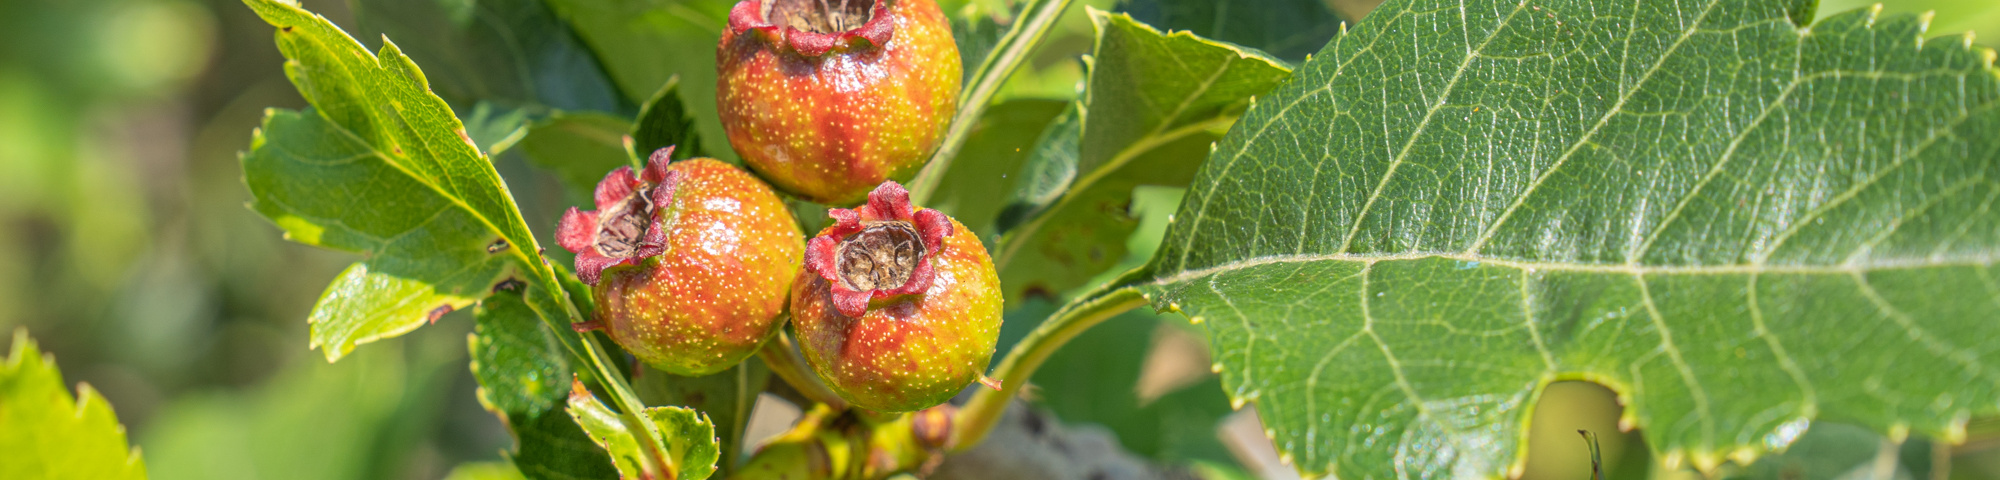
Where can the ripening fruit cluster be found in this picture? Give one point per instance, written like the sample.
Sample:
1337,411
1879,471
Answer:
694,264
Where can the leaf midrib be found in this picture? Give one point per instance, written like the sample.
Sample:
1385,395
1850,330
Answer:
1987,260
515,245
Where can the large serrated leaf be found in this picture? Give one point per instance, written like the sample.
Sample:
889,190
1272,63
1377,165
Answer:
48,434
1151,105
1737,223
381,167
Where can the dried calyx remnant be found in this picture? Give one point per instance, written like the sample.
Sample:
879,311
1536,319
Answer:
881,256
624,230
621,228
822,16
880,250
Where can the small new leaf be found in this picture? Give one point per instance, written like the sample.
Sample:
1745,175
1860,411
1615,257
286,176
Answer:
693,449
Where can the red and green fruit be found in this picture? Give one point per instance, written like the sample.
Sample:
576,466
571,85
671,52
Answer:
828,98
898,307
689,262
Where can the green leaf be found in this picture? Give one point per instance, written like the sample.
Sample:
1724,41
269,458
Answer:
49,434
725,397
1738,224
520,365
364,305
999,144
379,166
522,373
515,52
580,148
553,447
1151,104
690,437
643,43
664,122
1289,29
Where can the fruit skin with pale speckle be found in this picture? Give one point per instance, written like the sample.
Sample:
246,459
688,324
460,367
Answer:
827,116
708,279
908,346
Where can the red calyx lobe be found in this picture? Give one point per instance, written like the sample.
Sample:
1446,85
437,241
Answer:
625,228
795,24
879,250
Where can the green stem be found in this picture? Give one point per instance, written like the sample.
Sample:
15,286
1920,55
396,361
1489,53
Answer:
790,366
978,416
1029,29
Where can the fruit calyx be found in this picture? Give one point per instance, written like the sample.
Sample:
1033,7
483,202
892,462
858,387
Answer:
814,27
878,250
625,229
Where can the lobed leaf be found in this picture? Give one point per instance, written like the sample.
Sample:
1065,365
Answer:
381,167
1739,223
48,434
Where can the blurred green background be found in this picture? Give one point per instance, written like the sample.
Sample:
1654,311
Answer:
128,252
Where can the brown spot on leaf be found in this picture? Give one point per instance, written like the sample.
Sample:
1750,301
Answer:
439,312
